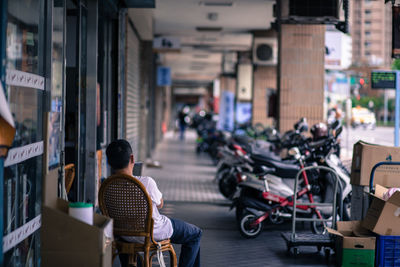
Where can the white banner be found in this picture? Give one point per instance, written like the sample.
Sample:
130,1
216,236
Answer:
25,79
19,154
20,234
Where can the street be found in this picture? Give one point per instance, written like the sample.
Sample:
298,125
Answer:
379,135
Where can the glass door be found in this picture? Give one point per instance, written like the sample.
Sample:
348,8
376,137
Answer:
56,116
75,114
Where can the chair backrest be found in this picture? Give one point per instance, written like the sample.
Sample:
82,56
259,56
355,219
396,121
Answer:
124,199
69,176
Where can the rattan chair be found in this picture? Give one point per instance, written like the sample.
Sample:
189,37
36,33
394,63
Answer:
69,176
126,201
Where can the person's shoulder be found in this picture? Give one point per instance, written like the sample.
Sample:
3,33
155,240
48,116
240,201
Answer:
146,179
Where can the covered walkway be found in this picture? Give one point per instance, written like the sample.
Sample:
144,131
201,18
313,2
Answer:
186,180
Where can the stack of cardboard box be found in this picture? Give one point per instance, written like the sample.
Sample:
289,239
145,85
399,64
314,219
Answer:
355,246
365,156
356,239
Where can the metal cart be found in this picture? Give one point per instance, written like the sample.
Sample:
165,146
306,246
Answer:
371,178
295,240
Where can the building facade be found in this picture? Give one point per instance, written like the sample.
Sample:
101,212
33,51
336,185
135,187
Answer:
371,31
76,74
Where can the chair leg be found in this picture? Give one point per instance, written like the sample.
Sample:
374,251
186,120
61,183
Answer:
172,256
132,259
146,257
151,258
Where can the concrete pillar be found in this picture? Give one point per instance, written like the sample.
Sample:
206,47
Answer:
228,83
264,84
300,74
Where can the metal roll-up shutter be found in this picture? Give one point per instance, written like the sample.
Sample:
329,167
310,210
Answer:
132,99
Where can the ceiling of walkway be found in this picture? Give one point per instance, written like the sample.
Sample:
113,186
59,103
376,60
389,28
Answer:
207,29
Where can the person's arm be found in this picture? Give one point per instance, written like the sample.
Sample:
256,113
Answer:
161,204
155,194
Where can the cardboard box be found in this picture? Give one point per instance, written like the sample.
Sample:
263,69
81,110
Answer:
383,217
365,156
355,246
359,202
67,241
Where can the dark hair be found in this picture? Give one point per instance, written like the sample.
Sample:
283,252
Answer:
118,154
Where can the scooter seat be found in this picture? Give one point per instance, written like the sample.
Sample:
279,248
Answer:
261,170
283,169
264,156
253,203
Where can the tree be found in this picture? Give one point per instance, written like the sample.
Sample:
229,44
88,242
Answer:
396,64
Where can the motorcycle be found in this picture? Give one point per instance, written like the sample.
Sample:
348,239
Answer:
244,151
272,197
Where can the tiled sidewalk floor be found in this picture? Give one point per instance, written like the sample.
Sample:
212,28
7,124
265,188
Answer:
184,176
186,180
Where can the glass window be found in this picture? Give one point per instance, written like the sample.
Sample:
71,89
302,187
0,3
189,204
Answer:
23,181
22,35
55,120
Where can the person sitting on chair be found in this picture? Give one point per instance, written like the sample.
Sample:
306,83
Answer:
120,157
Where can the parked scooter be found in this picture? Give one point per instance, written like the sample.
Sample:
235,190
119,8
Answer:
245,153
272,197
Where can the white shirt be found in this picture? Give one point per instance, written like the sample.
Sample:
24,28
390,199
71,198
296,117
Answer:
162,224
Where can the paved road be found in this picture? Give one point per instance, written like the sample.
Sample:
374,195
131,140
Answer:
379,135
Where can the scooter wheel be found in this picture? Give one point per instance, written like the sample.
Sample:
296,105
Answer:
245,227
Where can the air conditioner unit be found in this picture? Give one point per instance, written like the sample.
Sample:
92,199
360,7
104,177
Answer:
265,51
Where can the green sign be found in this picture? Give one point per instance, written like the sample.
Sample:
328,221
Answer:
383,80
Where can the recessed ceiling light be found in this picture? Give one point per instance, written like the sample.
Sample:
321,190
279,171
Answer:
216,3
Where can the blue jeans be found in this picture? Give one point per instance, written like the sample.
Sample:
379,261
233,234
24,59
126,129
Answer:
189,236
186,234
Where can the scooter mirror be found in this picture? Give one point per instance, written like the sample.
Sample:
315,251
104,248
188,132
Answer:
339,131
335,124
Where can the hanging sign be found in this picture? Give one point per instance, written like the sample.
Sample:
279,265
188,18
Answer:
163,76
226,112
